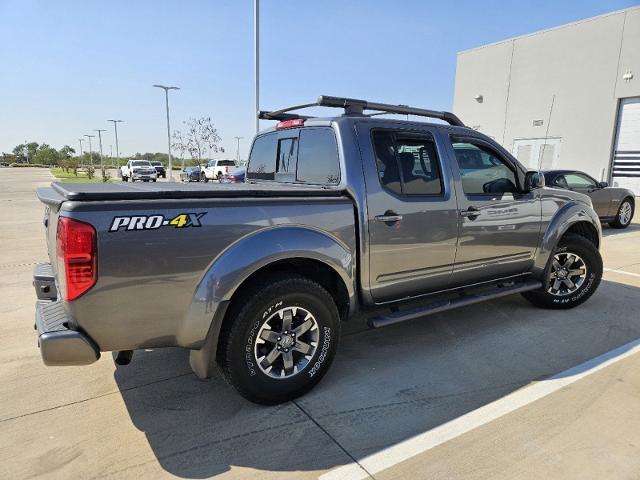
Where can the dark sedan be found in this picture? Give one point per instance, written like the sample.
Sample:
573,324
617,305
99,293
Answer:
613,205
236,177
190,174
160,170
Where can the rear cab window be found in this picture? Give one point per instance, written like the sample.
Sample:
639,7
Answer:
306,155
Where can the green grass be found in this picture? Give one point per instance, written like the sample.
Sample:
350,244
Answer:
63,176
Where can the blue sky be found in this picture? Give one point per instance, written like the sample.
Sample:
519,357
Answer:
68,66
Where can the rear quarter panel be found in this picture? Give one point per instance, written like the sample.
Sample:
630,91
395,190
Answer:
148,279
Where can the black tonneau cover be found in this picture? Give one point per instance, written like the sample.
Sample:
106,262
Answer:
143,191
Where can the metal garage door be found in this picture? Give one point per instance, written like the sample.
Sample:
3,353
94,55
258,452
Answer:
626,155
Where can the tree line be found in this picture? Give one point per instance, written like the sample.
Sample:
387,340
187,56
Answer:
199,140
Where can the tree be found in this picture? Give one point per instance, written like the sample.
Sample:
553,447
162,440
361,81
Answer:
66,159
45,155
29,148
200,135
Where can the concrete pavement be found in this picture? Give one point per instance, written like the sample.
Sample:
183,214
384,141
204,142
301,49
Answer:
154,419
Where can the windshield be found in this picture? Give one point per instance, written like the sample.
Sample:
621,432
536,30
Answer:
156,164
140,163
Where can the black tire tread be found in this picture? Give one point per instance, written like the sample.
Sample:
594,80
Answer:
542,299
260,292
616,223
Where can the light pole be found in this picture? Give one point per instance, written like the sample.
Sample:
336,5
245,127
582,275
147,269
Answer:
90,150
238,150
100,130
80,140
115,128
166,98
256,56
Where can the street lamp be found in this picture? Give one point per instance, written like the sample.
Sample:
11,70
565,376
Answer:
115,128
238,150
90,150
256,57
166,98
100,130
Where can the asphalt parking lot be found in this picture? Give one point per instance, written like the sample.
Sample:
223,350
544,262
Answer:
488,391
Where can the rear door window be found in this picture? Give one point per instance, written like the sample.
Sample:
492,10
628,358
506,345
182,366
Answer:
407,163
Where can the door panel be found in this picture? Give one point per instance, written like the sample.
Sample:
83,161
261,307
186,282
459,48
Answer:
411,212
583,183
499,227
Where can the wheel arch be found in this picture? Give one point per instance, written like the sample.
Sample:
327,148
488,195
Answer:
302,250
573,218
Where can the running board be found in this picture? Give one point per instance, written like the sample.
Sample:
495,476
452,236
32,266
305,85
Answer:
460,300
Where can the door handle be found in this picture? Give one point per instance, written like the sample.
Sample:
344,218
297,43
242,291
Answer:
471,213
388,217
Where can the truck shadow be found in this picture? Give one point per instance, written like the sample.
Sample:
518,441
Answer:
385,386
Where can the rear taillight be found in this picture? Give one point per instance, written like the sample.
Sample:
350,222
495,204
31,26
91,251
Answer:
232,178
296,122
76,246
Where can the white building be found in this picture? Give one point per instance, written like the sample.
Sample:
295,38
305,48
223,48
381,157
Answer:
567,97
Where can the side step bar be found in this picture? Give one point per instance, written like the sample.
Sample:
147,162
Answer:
460,300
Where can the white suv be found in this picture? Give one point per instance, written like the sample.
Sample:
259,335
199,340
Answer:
215,169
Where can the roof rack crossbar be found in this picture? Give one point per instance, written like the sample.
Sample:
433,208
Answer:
354,106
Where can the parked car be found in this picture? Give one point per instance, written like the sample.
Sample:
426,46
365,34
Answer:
339,215
613,205
138,170
3,164
215,169
191,174
160,170
236,177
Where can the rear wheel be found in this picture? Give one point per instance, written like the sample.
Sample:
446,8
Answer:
572,275
624,215
279,339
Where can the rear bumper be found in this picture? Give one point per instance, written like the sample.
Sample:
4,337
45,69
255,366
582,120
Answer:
59,343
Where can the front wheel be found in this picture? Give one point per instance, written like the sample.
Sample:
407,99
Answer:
279,339
624,215
572,275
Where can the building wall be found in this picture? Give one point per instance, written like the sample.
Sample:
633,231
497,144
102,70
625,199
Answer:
578,67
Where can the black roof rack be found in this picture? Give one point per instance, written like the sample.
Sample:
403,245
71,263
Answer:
354,106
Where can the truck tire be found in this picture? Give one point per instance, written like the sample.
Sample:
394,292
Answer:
279,339
624,214
573,273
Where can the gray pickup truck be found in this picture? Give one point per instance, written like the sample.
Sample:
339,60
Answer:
392,218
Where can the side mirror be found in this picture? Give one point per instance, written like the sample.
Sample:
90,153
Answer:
603,184
533,180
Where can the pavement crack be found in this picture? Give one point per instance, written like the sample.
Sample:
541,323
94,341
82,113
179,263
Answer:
326,432
84,400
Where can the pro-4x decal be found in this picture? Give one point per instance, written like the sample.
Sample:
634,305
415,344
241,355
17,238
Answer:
153,222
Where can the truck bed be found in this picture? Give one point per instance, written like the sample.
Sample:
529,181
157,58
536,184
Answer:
169,191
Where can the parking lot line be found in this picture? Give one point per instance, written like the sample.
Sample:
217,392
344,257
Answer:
622,272
423,442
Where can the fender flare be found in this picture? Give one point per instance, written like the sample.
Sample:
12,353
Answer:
567,216
202,323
